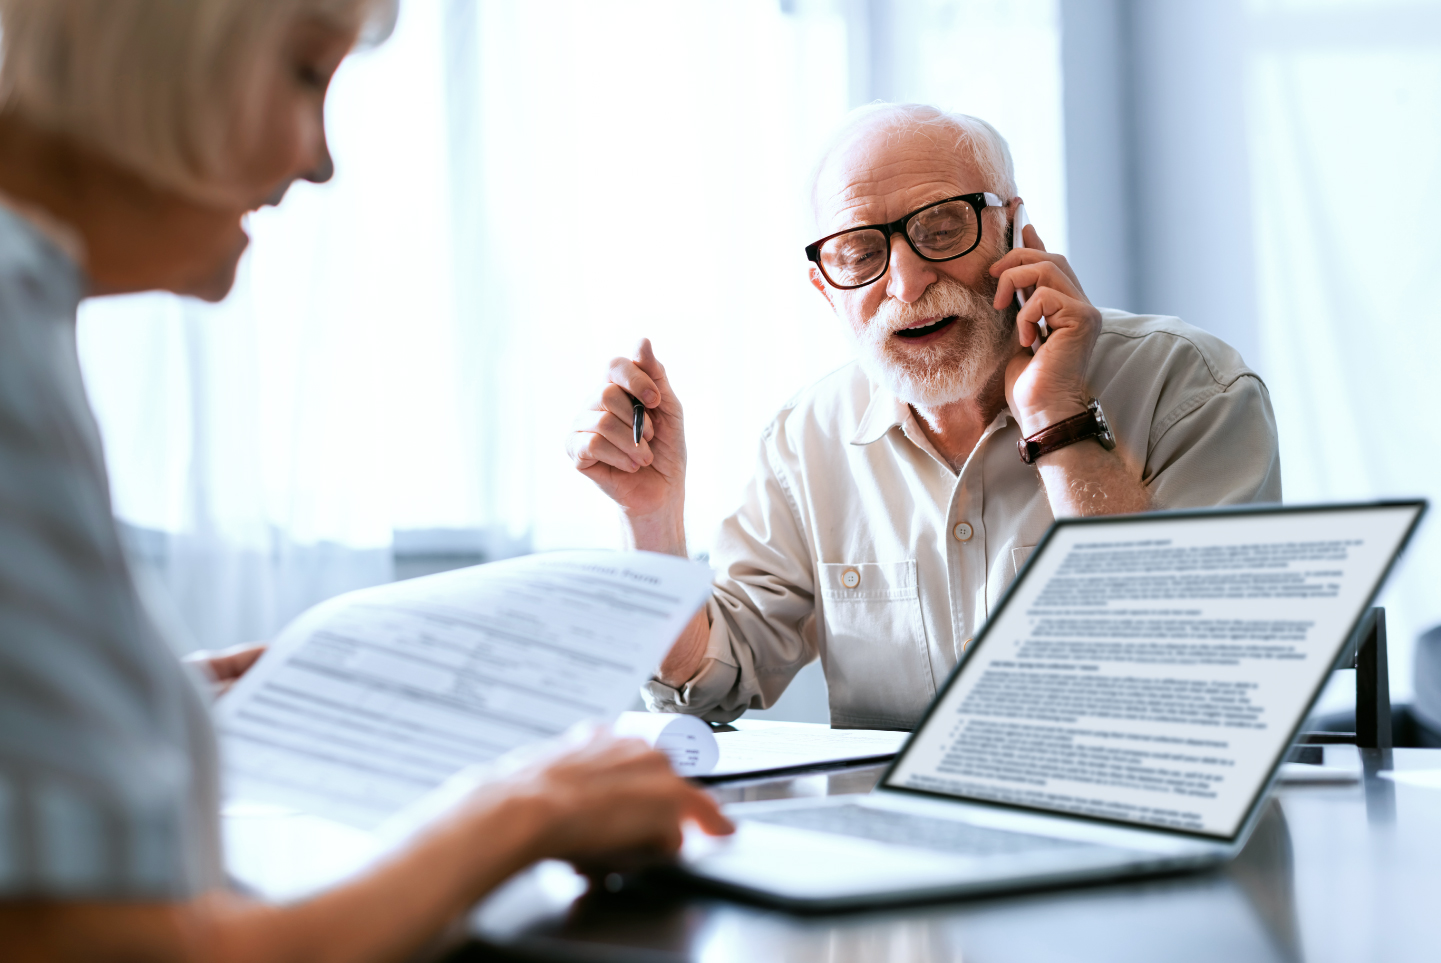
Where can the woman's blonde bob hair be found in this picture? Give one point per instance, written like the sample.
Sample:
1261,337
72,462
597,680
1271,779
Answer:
167,88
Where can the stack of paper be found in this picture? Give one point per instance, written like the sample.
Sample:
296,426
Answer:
763,746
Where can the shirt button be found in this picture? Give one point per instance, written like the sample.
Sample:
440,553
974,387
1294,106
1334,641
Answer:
963,531
850,578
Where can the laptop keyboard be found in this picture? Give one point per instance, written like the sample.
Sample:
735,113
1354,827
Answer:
920,832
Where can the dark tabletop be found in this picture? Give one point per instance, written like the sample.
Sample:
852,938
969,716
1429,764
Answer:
1344,873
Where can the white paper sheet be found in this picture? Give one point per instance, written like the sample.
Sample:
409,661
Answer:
369,701
687,740
764,746
757,745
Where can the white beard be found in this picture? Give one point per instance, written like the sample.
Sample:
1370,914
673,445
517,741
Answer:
953,368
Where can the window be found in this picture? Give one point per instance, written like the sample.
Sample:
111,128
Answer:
407,346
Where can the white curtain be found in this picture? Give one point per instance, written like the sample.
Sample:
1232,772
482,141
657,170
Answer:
669,143
522,191
1346,160
266,448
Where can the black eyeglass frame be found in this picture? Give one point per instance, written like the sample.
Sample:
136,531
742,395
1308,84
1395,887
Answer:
979,201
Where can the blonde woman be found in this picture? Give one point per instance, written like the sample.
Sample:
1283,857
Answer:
134,136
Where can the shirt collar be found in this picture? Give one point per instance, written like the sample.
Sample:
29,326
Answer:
884,412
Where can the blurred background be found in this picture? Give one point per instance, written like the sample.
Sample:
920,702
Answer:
523,190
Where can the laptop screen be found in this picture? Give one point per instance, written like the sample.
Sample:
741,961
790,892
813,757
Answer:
1154,669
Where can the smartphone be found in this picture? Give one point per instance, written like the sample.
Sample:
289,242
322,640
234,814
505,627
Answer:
1018,240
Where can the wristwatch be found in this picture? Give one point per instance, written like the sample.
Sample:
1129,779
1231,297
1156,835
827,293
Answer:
1090,423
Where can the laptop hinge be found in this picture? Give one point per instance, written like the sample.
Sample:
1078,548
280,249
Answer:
1373,690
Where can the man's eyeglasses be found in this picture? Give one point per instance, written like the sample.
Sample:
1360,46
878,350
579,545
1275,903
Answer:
941,231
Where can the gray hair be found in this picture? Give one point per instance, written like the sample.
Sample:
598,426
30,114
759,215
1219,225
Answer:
163,87
969,135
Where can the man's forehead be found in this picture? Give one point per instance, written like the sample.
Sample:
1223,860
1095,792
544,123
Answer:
882,175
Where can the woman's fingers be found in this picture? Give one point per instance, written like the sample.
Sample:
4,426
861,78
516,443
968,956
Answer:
706,813
620,796
226,667
234,662
689,802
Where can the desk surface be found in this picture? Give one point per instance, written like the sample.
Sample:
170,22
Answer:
1345,873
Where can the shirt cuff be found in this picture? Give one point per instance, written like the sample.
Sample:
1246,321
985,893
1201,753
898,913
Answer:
711,692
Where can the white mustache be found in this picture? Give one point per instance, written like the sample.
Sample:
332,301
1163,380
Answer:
943,299
950,368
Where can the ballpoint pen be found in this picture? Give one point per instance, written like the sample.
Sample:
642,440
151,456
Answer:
637,418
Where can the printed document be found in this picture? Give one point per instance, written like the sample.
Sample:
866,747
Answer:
755,746
1153,670
765,746
369,701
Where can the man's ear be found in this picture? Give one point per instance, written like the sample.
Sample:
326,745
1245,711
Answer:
1010,214
821,286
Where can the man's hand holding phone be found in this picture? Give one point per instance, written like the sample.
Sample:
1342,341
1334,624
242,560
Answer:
1046,384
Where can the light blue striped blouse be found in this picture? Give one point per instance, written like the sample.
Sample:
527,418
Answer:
108,783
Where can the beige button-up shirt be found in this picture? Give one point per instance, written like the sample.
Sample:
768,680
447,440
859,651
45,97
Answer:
859,544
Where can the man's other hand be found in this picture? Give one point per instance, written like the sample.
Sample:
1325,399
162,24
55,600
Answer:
647,480
1050,385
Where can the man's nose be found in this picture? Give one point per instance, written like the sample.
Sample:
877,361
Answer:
910,274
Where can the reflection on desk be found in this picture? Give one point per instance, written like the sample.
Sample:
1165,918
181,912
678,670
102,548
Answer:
1331,873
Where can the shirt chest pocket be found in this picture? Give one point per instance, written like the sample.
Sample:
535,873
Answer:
873,617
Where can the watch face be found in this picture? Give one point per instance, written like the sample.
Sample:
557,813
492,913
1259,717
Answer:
1105,437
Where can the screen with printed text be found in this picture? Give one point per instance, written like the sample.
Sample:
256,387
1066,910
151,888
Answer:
1153,669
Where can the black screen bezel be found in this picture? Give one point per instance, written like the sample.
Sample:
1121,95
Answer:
1419,505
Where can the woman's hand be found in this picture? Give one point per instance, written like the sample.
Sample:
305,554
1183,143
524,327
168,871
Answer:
224,668
605,806
610,803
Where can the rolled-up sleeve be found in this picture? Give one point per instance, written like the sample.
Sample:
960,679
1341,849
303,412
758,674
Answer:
1220,450
762,611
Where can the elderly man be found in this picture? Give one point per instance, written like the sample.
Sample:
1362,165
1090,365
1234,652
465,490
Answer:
896,499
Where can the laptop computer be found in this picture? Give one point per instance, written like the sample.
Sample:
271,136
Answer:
1124,711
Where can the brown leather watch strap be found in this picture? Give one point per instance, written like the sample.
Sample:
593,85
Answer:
1090,423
